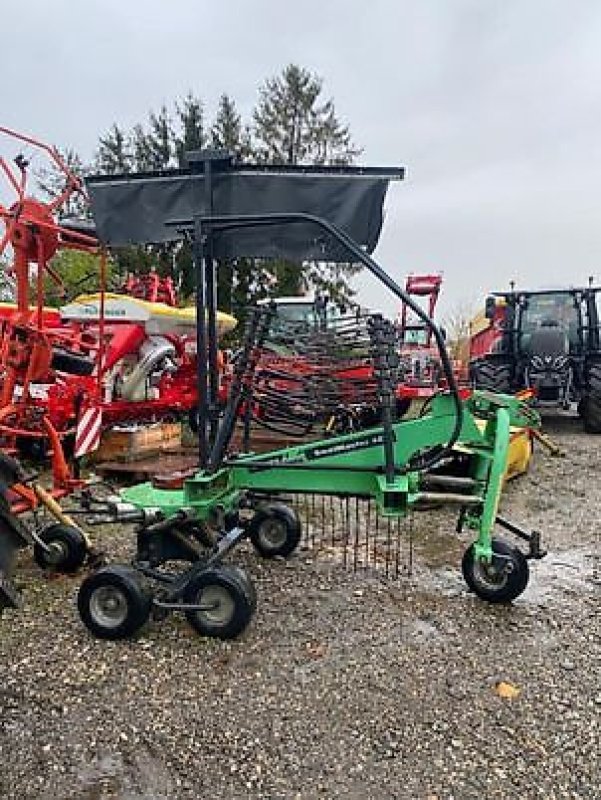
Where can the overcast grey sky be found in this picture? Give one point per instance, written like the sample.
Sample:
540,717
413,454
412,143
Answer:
494,107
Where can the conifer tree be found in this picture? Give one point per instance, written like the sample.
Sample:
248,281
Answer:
114,154
293,124
190,113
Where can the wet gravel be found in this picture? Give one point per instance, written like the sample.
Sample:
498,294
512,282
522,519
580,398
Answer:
343,686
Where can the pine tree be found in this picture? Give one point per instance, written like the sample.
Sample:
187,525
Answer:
228,132
292,125
142,158
114,155
160,140
191,118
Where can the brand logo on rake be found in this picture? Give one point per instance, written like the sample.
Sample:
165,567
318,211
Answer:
340,448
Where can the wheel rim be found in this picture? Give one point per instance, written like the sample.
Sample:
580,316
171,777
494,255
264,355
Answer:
220,605
108,606
273,533
489,577
57,552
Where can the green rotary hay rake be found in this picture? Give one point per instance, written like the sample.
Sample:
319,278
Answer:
454,453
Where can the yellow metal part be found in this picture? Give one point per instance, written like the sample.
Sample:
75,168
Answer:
158,317
519,454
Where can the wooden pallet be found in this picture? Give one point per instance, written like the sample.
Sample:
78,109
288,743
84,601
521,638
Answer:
131,443
145,467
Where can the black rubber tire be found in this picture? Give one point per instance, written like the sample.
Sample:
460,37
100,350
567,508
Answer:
275,518
593,377
487,583
491,376
235,604
130,592
590,411
589,407
71,363
71,549
246,583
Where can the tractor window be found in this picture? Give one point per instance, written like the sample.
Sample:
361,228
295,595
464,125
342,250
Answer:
553,310
291,316
299,316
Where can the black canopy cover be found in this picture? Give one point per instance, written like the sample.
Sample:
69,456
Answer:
142,208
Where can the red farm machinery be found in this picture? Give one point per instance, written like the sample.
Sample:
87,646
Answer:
102,359
67,374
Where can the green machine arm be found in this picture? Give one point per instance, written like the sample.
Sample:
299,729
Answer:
351,465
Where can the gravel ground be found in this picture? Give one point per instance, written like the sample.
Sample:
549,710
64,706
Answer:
343,686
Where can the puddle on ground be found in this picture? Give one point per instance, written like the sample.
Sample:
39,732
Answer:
564,576
421,631
561,577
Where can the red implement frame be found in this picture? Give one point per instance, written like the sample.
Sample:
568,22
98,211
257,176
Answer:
29,341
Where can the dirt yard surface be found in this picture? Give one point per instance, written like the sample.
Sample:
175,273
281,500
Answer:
344,686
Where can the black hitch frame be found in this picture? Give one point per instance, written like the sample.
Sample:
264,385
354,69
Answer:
533,538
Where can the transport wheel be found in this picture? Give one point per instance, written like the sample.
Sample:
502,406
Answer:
68,548
113,603
246,584
228,604
501,581
275,530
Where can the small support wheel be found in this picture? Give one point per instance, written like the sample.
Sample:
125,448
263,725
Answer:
66,550
275,530
227,604
501,581
113,603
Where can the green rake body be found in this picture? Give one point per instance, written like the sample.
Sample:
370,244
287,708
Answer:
454,453
352,465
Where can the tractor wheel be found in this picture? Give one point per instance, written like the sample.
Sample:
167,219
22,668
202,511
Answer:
227,600
590,411
71,363
113,603
67,548
589,407
501,581
492,376
275,530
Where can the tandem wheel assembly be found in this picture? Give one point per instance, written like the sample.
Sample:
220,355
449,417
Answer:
217,599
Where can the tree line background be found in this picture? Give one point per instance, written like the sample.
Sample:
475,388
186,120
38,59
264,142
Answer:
291,123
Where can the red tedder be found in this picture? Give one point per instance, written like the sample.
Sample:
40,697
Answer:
32,346
102,359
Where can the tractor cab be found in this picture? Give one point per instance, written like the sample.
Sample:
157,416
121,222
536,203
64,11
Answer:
547,341
553,320
297,315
